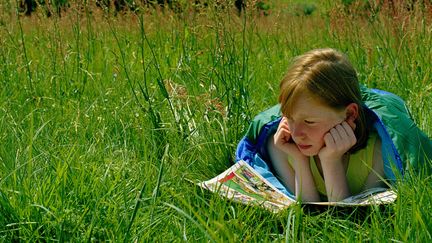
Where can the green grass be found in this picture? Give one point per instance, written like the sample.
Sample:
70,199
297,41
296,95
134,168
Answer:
103,120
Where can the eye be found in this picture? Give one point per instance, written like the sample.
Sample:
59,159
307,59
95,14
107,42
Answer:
309,122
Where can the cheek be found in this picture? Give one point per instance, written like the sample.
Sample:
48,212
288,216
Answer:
317,133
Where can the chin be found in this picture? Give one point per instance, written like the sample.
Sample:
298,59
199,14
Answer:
310,152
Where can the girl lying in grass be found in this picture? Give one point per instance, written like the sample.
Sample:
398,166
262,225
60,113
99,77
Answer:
332,138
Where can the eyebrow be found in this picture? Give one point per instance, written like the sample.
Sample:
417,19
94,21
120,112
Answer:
305,117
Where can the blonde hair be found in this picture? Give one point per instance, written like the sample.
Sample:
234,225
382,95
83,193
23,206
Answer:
329,76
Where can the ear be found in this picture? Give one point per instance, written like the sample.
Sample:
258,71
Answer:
352,114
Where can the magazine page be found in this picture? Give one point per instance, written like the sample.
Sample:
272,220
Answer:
373,196
243,184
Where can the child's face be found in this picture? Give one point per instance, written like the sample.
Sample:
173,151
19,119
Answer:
310,120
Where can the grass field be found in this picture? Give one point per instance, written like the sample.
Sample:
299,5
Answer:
104,119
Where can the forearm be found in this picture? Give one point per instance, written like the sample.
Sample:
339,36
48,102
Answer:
335,180
282,167
304,182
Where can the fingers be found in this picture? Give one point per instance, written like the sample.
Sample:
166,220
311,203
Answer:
283,141
352,124
329,140
350,133
283,123
282,134
283,126
340,137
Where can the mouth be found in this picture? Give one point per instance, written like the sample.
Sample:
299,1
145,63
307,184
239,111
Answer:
303,147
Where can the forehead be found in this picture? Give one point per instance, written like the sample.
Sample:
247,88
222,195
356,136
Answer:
308,105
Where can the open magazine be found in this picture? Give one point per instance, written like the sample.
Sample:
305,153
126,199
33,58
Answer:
243,184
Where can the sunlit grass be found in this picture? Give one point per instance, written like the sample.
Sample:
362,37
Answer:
104,121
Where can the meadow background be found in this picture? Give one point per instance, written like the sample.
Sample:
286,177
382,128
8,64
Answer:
106,116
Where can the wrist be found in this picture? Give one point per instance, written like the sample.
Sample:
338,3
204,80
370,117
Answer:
331,167
300,163
331,160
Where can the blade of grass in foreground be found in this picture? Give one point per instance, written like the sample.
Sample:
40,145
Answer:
206,231
137,204
159,180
